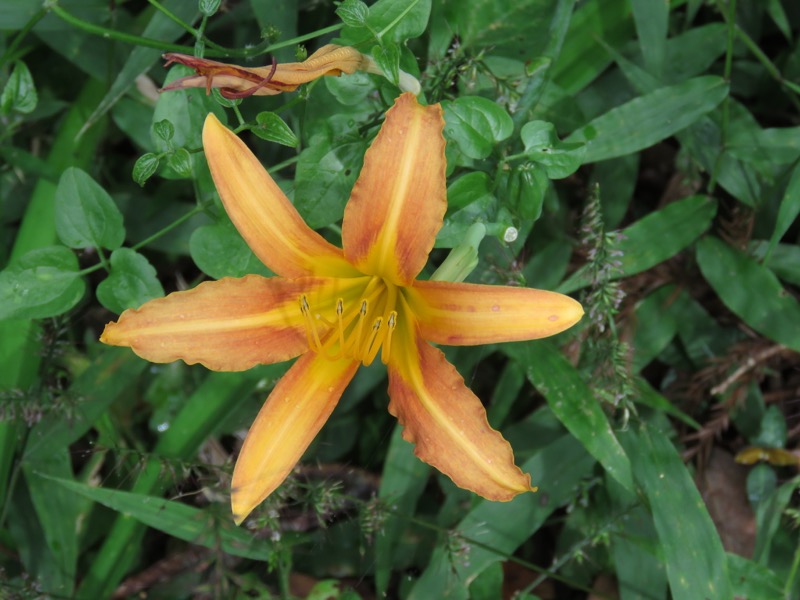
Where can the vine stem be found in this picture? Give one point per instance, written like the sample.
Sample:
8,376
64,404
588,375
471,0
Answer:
214,49
12,47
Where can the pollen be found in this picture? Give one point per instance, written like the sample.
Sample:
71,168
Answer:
358,330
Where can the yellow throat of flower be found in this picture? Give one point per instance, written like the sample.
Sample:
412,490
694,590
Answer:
358,330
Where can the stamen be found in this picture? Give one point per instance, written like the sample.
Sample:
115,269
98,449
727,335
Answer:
354,337
339,311
387,342
370,349
312,335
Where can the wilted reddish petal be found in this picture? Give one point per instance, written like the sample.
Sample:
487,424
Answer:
226,325
463,314
448,423
235,81
400,197
263,214
294,413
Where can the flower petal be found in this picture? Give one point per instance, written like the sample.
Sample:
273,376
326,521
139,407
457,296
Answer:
400,197
263,214
448,423
290,419
465,314
239,82
226,325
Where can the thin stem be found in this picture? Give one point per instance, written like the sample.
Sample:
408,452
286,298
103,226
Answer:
103,259
299,39
399,17
174,18
284,164
179,221
215,50
239,116
116,35
12,47
726,102
196,33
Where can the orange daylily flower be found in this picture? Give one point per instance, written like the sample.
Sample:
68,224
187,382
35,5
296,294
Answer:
339,308
234,81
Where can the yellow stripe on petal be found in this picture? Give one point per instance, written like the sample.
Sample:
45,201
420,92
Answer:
294,413
448,424
464,314
399,200
263,214
226,325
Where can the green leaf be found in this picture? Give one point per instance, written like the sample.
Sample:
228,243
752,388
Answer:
220,251
325,176
499,528
353,13
751,291
390,21
473,203
57,512
161,26
476,124
107,377
583,56
208,8
403,481
692,550
656,325
467,189
144,168
753,580
132,282
272,128
772,430
86,216
769,513
655,238
573,402
543,146
387,57
42,283
186,111
164,129
19,93
784,260
527,188
652,22
648,119
180,161
180,520
787,214
517,29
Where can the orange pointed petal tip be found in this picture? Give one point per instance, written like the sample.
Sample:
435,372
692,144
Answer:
235,81
464,314
448,425
262,213
226,325
288,422
398,202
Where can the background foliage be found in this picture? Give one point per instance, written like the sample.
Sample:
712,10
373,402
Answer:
640,154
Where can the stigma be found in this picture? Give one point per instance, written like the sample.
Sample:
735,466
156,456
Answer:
357,330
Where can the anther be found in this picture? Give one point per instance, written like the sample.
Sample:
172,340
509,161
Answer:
386,349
